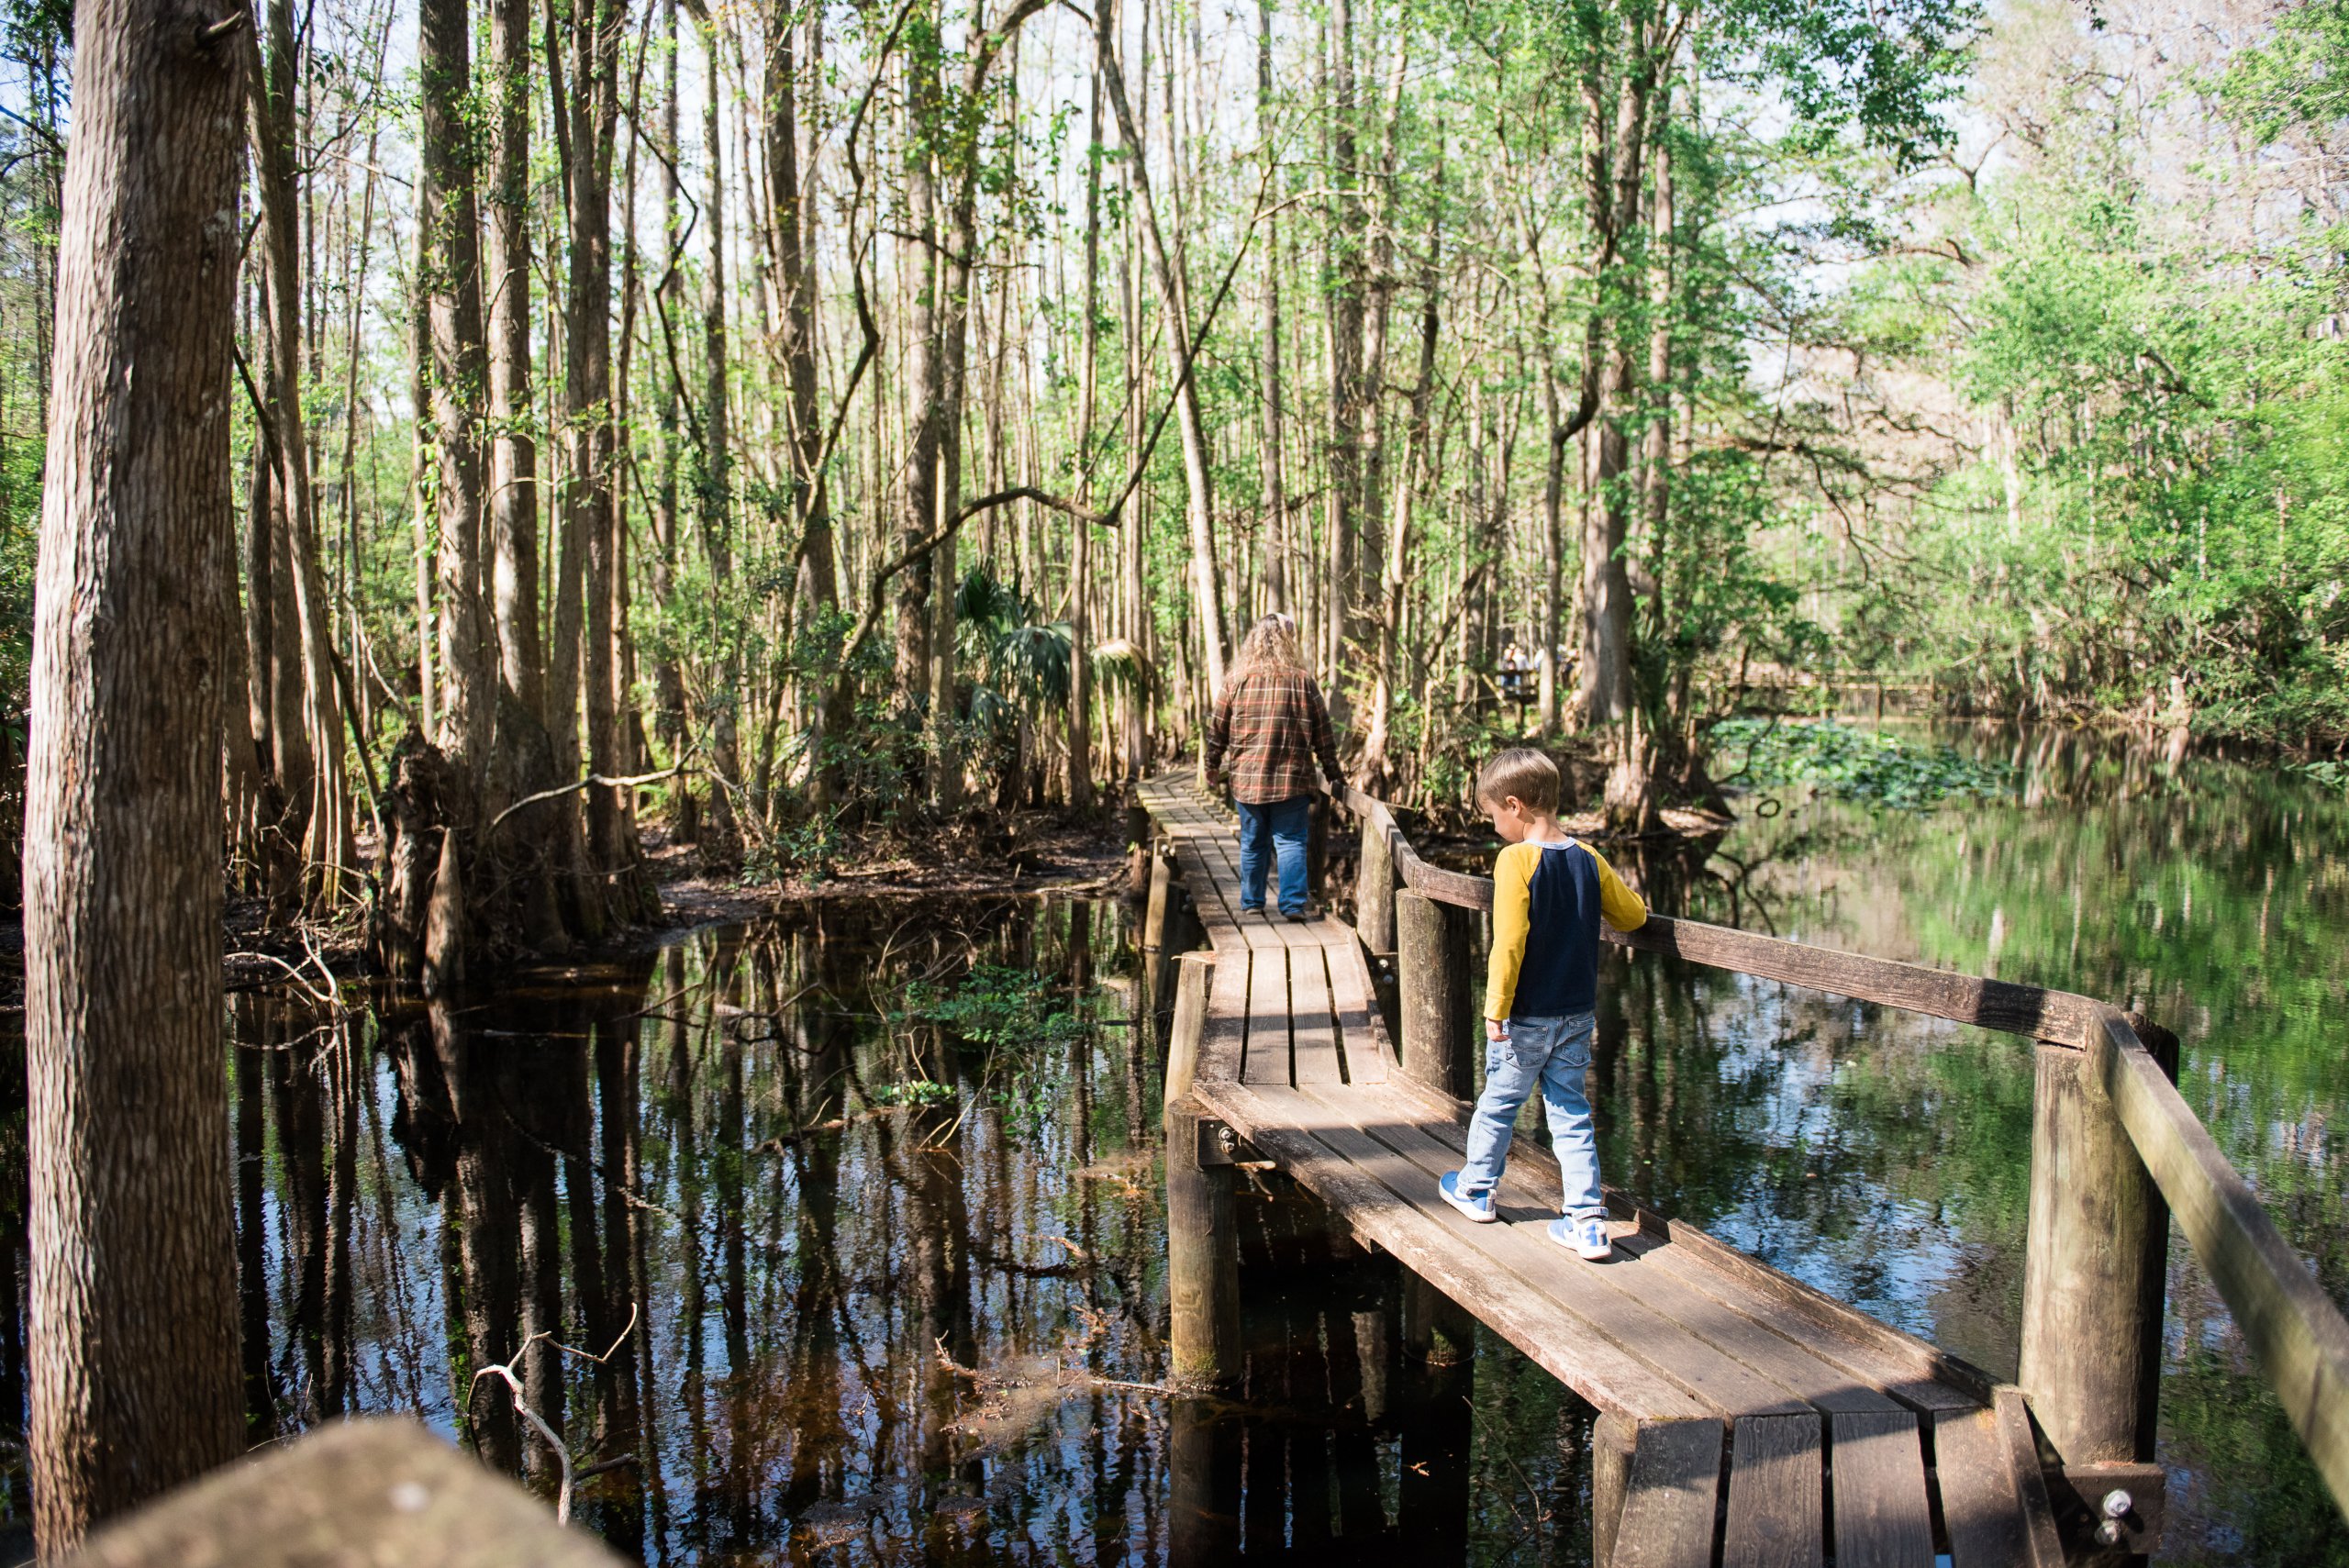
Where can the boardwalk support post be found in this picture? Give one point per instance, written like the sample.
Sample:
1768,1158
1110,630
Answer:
1432,974
2095,1271
1162,892
1612,1440
1375,890
1202,1228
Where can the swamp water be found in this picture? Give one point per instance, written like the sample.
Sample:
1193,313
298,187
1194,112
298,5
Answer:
865,1207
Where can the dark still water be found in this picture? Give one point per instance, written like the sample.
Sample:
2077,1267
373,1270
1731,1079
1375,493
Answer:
870,1204
853,1229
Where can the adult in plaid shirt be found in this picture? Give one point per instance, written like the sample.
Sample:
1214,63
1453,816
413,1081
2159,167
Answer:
1270,726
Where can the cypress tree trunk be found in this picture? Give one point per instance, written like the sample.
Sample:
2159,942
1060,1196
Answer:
721,836
136,1385
306,638
530,843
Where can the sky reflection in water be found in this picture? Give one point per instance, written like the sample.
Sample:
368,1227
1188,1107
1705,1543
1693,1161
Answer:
875,1290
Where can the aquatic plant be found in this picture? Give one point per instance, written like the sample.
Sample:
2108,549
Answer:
1850,762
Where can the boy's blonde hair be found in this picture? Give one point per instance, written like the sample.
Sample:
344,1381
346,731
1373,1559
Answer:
1522,772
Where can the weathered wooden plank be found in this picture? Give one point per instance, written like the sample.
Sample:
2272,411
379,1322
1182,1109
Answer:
2029,1481
1313,1031
1874,1355
2295,1331
1672,1501
1563,1343
1827,1336
1268,1017
1223,1037
1362,1038
1719,1356
1777,1494
1883,1517
1982,1511
357,1492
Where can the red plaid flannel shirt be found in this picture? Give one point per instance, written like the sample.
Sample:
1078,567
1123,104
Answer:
1268,729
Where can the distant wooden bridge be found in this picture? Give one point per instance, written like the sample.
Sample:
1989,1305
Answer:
1746,1418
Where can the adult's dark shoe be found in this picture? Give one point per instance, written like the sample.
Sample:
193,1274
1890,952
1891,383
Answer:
1310,912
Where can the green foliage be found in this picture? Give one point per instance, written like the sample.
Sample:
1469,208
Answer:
2331,774
1851,763
2149,519
996,1006
914,1092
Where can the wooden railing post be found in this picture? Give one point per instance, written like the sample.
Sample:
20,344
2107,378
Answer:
2094,1273
1431,975
1375,891
1202,1228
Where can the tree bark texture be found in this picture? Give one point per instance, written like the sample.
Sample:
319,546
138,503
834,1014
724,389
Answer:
135,1374
453,281
305,638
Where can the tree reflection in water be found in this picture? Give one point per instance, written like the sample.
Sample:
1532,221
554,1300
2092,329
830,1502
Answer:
868,1288
870,1291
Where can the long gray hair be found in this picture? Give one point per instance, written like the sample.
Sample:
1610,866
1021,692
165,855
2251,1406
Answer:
1270,646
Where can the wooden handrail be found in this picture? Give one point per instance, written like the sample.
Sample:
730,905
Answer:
2060,1017
2296,1332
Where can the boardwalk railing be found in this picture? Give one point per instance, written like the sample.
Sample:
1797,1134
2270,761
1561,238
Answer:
2115,1150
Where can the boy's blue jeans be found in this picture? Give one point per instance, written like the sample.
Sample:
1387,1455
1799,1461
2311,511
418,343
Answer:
1286,823
1552,1054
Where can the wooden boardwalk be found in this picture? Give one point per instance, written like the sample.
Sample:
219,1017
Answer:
1748,1419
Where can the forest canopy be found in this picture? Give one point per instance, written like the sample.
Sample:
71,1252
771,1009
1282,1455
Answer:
808,414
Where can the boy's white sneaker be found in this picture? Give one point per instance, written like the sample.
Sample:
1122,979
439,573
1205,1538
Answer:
1477,1206
1587,1236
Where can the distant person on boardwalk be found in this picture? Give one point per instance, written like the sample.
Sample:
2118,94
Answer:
1270,726
1540,994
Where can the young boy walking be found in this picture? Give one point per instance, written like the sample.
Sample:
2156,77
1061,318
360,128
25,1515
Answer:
1549,894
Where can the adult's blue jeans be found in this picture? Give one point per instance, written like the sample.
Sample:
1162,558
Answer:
1284,823
1553,1054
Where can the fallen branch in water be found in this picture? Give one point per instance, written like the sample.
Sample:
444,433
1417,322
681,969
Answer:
522,1406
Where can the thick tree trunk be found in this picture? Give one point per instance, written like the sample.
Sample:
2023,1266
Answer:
1611,175
453,281
136,1385
531,845
587,117
514,479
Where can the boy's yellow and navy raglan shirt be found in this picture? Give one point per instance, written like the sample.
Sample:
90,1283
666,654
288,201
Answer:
1548,897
